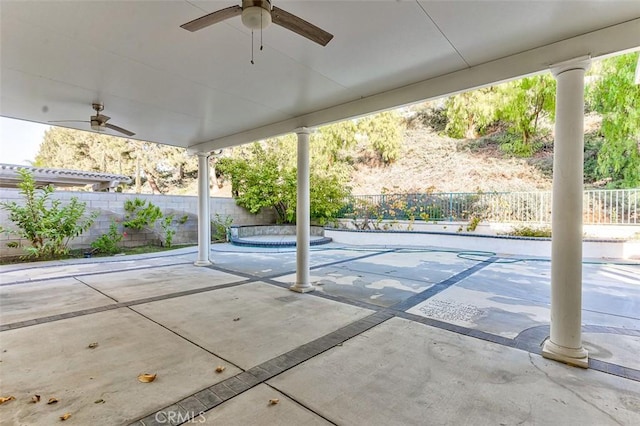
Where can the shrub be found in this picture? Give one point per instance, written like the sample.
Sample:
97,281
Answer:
473,223
108,243
46,223
168,230
528,231
140,213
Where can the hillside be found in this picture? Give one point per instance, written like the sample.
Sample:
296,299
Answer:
441,164
430,162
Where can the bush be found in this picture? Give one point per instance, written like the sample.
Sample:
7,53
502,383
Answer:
108,243
47,224
140,213
168,230
473,223
528,231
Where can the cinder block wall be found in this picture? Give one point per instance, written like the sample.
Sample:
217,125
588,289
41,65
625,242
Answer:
110,205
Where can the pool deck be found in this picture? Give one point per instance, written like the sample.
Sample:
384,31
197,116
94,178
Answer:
391,336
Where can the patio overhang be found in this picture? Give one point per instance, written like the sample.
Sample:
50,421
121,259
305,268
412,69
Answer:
60,178
199,90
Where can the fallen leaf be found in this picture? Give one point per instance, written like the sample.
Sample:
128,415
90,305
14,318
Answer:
93,345
147,378
273,401
220,368
237,319
99,401
35,398
65,416
52,401
4,399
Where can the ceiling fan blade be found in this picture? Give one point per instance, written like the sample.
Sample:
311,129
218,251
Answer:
68,121
300,26
212,18
118,129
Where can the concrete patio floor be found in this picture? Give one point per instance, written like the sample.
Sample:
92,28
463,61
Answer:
391,336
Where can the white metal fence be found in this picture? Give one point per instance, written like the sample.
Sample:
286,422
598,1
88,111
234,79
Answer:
618,206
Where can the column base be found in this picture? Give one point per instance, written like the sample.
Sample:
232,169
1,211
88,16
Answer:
302,289
202,263
576,357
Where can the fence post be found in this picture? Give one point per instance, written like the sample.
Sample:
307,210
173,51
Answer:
451,207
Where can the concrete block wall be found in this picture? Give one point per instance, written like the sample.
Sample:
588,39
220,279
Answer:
110,206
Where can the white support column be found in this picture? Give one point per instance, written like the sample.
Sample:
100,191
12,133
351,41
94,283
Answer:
303,213
204,221
565,341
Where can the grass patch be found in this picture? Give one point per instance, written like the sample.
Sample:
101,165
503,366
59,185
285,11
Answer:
80,253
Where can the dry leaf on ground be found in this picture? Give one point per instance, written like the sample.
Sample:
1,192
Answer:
274,401
99,401
65,416
93,345
147,378
4,399
220,368
236,319
35,398
52,401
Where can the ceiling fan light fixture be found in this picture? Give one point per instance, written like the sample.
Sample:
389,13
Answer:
256,17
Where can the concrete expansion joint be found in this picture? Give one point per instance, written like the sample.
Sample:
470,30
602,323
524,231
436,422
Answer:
214,395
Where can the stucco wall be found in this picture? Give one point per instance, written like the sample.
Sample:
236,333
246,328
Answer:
111,206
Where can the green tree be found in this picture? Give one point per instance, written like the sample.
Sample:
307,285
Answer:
469,113
160,165
384,134
334,140
614,95
74,149
259,178
521,105
263,175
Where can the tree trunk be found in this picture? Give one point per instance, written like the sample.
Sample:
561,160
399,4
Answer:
138,180
152,182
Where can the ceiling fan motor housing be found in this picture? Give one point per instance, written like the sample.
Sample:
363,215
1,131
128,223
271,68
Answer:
97,124
256,14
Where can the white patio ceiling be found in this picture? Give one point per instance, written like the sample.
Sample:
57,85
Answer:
199,89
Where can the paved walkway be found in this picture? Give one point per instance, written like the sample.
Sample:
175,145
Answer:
392,336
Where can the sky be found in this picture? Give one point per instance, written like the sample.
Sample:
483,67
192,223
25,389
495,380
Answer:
20,140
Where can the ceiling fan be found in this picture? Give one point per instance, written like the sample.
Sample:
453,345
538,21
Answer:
99,121
257,15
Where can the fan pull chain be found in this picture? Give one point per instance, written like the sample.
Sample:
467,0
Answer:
261,46
252,63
